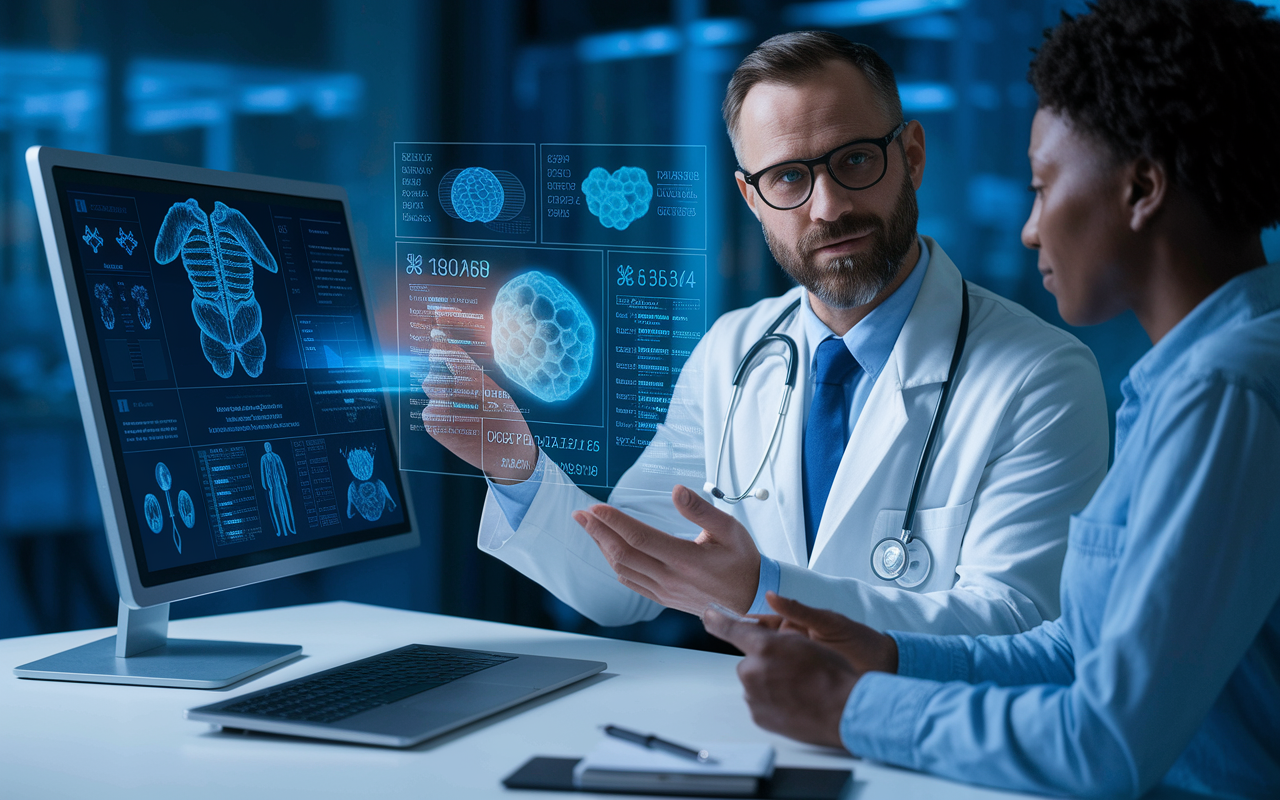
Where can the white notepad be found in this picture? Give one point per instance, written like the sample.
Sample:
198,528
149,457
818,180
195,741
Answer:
618,765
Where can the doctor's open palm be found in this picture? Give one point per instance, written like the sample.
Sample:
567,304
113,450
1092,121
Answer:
460,394
721,565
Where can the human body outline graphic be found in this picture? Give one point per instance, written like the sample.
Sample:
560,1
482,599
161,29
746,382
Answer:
275,481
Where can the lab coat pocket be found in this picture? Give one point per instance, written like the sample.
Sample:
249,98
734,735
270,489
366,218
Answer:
942,531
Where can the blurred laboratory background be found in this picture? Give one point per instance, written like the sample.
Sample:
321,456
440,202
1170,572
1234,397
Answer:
320,91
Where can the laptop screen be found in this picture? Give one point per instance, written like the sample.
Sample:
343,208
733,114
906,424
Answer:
231,342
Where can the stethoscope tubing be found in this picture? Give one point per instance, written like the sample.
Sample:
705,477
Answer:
739,375
939,411
792,358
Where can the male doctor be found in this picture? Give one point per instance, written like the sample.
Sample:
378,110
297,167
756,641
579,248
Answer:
830,168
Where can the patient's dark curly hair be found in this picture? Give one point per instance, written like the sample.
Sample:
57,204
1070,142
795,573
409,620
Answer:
1192,84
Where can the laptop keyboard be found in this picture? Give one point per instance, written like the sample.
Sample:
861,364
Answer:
344,691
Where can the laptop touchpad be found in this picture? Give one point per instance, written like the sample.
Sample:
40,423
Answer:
465,698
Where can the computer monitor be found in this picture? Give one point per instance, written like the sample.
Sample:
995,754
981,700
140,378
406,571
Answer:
228,374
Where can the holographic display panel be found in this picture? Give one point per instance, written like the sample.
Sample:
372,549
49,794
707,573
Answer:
584,330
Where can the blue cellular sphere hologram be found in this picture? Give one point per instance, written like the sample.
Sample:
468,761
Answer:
618,199
477,195
542,337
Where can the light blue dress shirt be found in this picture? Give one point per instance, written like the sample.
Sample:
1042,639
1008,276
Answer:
871,342
1164,667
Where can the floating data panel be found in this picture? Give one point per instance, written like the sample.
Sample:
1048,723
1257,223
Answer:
580,334
463,191
624,195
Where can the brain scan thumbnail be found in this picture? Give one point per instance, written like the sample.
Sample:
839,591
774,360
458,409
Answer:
477,195
542,337
618,199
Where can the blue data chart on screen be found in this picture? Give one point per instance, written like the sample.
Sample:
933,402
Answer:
584,332
241,383
474,192
651,196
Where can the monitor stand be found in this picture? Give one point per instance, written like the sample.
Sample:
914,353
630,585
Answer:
141,653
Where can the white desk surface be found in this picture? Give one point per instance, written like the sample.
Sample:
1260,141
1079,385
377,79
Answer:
82,740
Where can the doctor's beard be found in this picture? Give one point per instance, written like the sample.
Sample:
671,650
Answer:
853,280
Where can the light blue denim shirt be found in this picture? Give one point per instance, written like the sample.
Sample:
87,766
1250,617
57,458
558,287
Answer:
870,341
1164,667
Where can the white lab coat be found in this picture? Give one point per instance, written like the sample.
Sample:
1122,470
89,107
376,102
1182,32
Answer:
1023,445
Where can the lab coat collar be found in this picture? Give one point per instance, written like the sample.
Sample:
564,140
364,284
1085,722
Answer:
922,355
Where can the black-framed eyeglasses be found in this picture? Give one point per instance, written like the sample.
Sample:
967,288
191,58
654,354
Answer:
856,165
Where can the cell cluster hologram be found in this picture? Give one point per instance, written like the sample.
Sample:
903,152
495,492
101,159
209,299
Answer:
543,339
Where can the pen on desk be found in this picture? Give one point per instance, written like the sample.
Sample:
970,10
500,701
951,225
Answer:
655,743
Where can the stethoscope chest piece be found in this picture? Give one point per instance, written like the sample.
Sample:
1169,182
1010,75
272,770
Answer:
907,564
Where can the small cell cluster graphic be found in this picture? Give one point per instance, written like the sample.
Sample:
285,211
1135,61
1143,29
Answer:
92,238
477,195
618,199
542,337
493,197
108,316
126,241
140,297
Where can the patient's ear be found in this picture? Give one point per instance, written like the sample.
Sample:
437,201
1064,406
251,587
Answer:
1148,188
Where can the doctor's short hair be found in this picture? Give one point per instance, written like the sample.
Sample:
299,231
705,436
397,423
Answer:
790,58
1191,84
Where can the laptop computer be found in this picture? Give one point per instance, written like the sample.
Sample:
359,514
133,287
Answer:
399,698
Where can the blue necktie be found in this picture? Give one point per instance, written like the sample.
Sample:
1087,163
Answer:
824,432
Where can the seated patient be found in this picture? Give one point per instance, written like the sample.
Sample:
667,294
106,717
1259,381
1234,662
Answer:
1155,161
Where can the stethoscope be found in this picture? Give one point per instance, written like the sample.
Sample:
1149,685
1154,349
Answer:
902,558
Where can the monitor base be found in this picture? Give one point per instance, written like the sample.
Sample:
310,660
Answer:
141,654
180,663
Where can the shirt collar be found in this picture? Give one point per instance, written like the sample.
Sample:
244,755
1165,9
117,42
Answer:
1244,297
871,341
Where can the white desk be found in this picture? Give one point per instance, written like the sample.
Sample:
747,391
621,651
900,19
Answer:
80,740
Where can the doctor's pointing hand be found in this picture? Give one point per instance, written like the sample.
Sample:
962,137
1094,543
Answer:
883,406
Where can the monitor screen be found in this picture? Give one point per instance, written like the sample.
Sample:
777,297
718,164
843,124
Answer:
243,399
